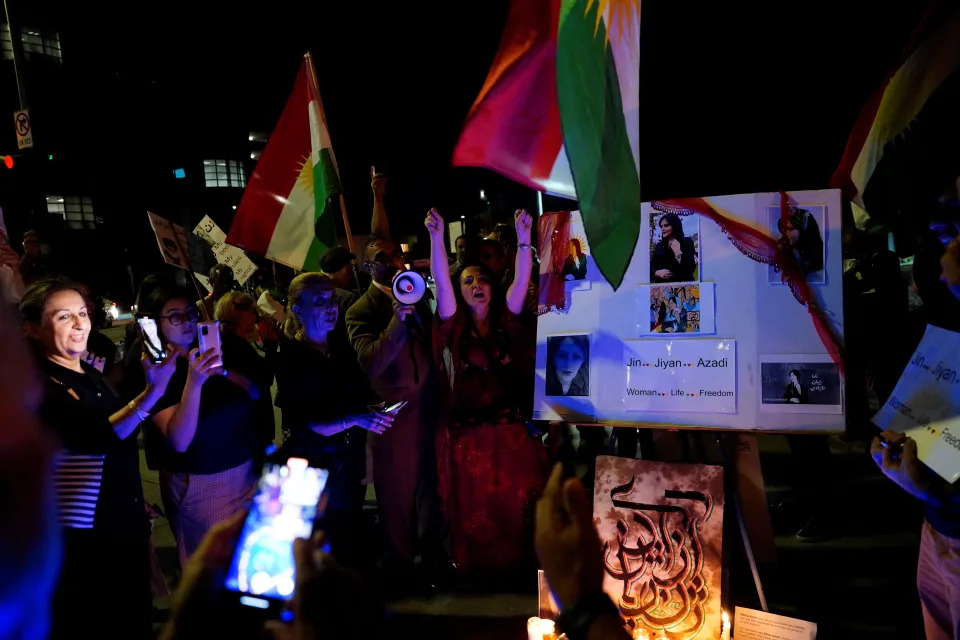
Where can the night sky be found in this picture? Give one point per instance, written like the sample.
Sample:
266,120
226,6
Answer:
734,99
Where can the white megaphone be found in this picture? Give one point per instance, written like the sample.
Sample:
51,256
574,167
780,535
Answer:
409,287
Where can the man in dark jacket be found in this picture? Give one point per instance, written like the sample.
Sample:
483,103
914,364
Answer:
394,346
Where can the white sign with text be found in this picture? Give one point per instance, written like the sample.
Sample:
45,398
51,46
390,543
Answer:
749,624
243,267
925,404
680,375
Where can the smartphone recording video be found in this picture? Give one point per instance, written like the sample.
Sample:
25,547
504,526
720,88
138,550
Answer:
209,334
262,568
151,339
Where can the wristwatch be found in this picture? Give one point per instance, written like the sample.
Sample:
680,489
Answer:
575,620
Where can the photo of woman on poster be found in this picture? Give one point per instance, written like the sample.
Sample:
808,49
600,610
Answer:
795,393
673,255
575,266
800,233
568,366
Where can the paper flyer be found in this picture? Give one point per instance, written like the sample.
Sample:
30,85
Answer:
925,404
749,624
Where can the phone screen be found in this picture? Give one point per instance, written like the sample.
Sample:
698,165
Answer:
284,509
151,339
395,407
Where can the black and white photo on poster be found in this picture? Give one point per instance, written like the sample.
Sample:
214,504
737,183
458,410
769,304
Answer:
800,383
568,365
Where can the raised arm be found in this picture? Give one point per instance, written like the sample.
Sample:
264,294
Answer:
179,422
517,294
379,223
446,299
127,420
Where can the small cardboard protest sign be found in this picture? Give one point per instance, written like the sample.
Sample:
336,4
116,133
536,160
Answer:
243,267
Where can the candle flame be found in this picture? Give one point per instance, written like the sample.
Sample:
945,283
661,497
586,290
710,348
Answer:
726,618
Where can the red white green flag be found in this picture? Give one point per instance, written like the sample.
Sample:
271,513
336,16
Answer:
285,213
903,144
513,127
598,89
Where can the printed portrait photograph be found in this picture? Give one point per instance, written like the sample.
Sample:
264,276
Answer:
568,365
675,308
674,247
575,264
802,233
801,387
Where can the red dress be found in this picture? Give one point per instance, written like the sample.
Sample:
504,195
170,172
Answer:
491,470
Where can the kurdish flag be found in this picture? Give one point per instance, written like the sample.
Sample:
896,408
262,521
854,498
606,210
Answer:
285,213
513,127
902,149
598,88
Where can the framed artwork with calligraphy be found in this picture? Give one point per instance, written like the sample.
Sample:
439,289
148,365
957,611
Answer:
661,527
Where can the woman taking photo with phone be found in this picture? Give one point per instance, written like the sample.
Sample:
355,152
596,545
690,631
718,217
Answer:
207,423
491,468
325,396
96,474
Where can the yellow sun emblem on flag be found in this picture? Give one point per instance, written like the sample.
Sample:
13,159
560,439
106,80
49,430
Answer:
620,17
305,175
581,243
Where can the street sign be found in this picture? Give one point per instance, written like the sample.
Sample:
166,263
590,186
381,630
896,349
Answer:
21,120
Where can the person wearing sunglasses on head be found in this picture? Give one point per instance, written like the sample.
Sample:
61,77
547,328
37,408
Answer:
203,433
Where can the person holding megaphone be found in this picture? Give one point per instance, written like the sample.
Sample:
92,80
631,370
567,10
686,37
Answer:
491,469
390,328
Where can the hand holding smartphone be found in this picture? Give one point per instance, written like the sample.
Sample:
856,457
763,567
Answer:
209,334
392,409
287,503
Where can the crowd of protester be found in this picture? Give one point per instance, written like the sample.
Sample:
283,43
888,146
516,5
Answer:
463,482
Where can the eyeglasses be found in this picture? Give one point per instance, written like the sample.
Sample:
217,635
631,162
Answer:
386,258
176,318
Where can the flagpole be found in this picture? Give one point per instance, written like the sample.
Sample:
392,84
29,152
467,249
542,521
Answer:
343,206
346,225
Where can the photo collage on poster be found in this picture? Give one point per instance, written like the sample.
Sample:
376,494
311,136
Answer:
568,356
675,301
685,338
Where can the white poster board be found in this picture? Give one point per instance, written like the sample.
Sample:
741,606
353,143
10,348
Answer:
243,267
739,308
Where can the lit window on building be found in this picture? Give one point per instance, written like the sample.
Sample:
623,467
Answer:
223,173
77,212
36,42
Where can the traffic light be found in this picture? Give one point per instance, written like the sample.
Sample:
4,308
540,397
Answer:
8,161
